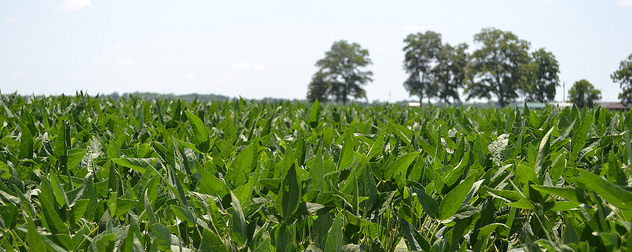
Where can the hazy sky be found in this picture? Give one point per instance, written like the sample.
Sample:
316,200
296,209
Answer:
258,49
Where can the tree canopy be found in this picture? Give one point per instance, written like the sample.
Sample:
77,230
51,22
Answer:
449,73
623,76
584,94
340,75
499,67
544,79
420,57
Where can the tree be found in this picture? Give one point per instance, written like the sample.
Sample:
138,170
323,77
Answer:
449,73
584,94
318,88
339,73
419,60
624,77
544,77
499,67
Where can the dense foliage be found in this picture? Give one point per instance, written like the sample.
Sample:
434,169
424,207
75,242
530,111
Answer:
623,76
80,173
584,94
340,73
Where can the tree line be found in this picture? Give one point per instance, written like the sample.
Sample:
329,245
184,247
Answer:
501,67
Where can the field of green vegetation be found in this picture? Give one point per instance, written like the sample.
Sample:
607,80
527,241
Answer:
88,174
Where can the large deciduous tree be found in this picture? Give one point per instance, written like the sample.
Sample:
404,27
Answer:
584,94
319,87
624,77
449,73
499,67
420,55
340,75
544,78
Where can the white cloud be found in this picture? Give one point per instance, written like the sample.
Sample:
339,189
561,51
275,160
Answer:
96,61
415,28
189,76
17,75
10,19
624,2
73,5
247,66
125,63
118,46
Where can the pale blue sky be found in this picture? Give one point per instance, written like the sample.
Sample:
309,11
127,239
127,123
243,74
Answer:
257,49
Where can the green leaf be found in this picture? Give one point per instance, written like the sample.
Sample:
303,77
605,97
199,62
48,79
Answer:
346,154
614,194
264,246
33,238
289,194
58,189
50,218
543,151
184,215
162,236
317,172
199,129
139,165
579,139
334,236
243,165
211,185
376,147
572,194
454,199
26,142
400,166
211,242
314,114
430,205
614,172
239,232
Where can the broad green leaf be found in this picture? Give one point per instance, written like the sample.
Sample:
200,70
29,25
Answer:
572,194
378,144
50,218
239,232
314,114
430,205
543,151
162,236
317,172
579,139
33,238
289,194
184,215
614,194
614,172
199,129
400,166
506,195
26,142
454,199
346,154
211,242
211,185
335,236
243,165
137,164
58,189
